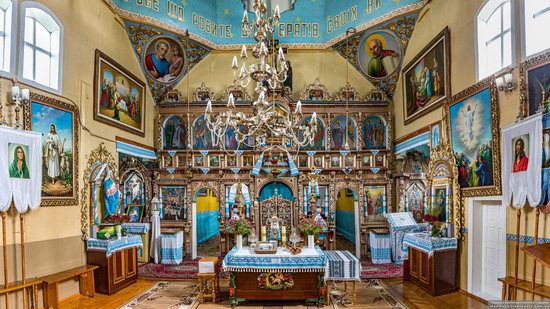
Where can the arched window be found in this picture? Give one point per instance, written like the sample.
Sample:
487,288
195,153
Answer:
536,16
494,37
41,48
7,17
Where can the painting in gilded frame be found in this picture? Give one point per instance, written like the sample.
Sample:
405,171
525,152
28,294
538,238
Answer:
426,79
475,138
319,140
374,132
535,84
173,200
135,212
375,202
57,121
164,59
440,202
201,136
119,96
340,133
174,133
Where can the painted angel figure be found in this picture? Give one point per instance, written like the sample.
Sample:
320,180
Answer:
53,148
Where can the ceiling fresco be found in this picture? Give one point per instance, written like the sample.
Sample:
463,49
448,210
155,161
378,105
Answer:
303,24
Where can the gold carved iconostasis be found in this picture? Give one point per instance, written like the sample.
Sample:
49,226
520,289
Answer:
190,162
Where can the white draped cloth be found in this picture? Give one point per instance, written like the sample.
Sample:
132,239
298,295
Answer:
524,185
155,250
25,187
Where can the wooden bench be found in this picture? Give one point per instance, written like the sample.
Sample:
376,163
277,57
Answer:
51,282
510,287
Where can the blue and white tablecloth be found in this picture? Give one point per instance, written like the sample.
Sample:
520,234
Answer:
137,228
428,244
342,266
113,245
401,223
171,248
380,248
245,260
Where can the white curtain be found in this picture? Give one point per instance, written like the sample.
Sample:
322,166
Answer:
25,187
523,185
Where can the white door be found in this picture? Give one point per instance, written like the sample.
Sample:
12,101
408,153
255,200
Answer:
492,249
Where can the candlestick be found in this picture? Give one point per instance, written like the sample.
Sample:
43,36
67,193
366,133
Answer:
263,233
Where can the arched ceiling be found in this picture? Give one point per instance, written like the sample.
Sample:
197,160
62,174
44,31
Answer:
303,23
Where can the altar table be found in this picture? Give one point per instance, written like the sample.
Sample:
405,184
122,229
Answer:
171,248
280,276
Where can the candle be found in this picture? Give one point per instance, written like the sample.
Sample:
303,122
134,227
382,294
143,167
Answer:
25,94
283,230
263,233
15,91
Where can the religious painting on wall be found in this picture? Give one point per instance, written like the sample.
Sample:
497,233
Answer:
303,160
214,161
520,153
164,59
319,140
133,189
231,161
231,142
375,202
319,161
379,54
440,202
57,121
173,203
135,212
374,133
366,161
414,202
335,161
426,79
174,133
199,161
248,161
475,139
119,96
435,133
340,133
202,137
535,89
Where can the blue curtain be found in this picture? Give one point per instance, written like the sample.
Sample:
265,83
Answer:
282,190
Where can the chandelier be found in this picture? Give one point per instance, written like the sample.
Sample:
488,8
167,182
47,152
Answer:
268,124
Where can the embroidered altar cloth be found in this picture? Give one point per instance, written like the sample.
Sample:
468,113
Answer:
137,228
342,266
113,245
428,244
245,260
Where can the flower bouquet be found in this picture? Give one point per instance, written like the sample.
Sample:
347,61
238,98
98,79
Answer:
118,219
432,220
238,227
310,226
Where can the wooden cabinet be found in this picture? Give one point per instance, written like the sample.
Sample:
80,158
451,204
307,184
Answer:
115,272
436,274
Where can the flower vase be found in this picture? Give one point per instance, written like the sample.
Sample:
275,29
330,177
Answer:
118,231
311,241
239,241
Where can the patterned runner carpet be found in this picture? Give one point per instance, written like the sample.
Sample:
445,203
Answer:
188,270
183,295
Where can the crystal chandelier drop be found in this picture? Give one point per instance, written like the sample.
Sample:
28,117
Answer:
267,125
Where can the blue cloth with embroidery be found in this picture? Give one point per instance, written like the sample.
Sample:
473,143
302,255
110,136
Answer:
428,244
401,223
245,260
113,245
380,248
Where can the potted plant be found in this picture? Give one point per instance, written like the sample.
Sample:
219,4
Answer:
239,227
311,228
118,219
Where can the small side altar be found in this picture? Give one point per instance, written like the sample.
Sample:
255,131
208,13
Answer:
279,276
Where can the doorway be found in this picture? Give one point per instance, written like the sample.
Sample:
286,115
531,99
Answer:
487,252
347,221
206,223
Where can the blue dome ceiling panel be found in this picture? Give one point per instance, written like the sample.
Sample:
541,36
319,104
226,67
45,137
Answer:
303,23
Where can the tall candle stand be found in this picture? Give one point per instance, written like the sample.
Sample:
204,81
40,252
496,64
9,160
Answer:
19,97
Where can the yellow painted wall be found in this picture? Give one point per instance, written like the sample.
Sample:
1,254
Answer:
215,71
88,25
433,18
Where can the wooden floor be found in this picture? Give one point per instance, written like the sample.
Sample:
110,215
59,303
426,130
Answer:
407,293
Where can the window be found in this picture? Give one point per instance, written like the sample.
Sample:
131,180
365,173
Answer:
537,20
494,37
41,46
7,12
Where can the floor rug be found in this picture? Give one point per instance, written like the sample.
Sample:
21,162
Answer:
188,270
183,295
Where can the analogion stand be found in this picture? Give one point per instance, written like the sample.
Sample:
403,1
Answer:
280,276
